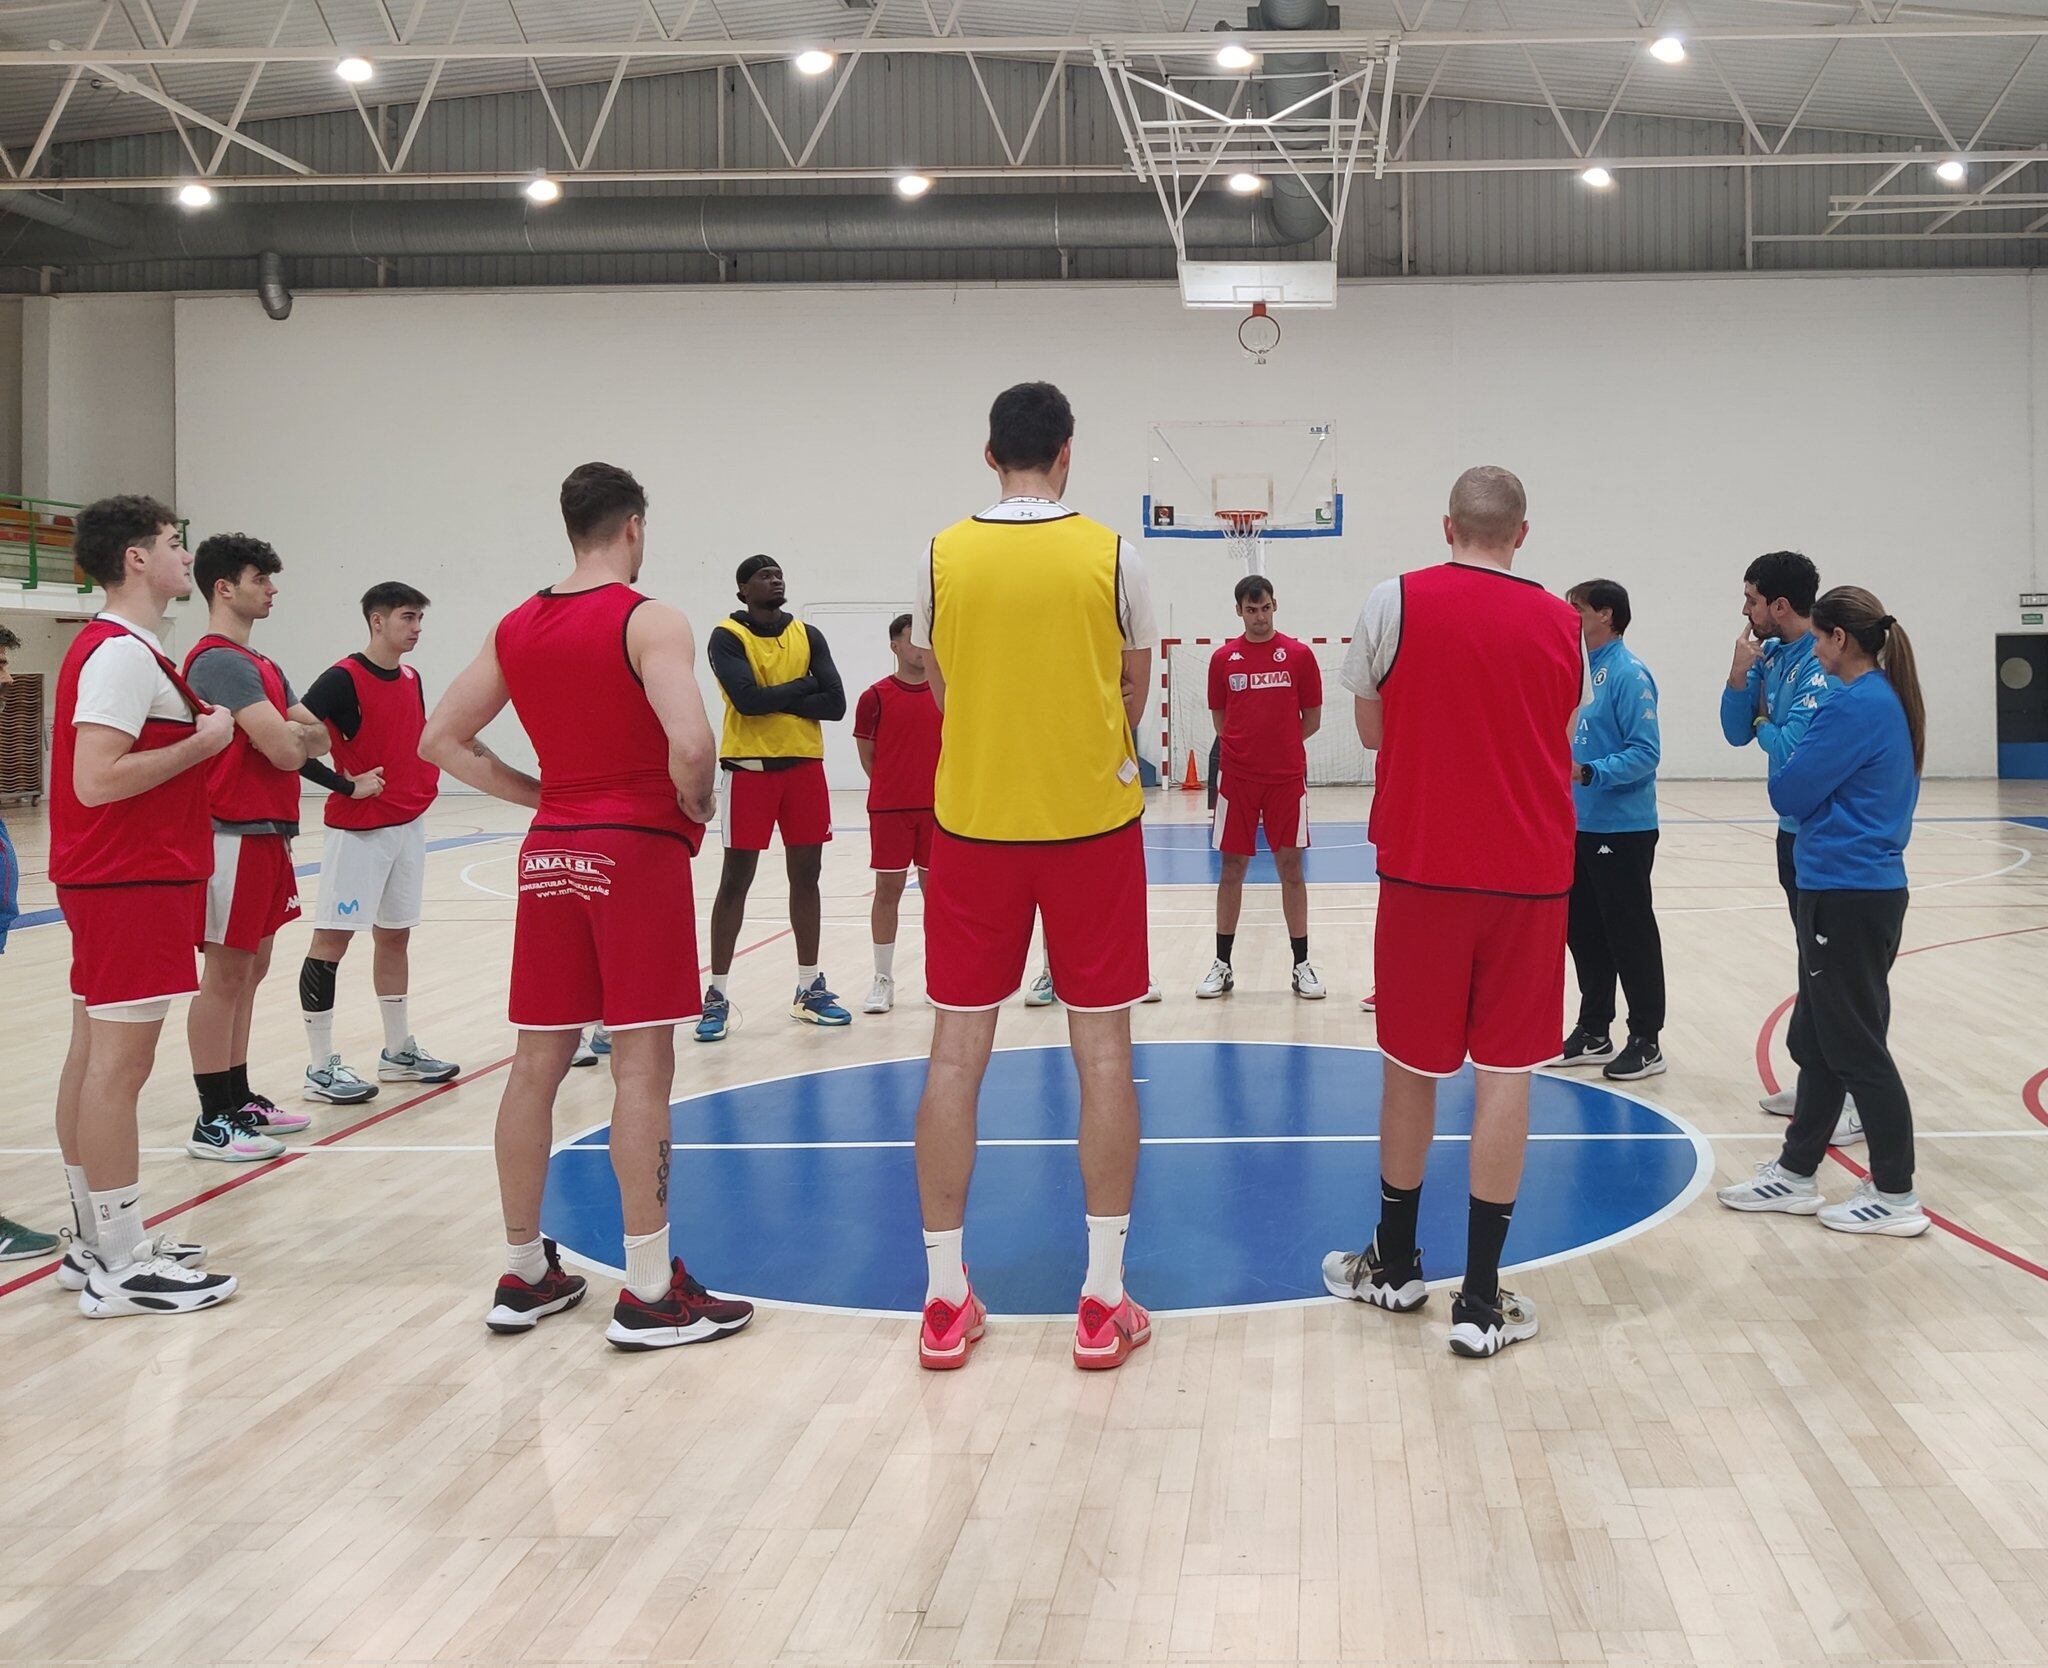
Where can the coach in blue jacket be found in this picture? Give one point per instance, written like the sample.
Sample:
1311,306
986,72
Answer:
1613,926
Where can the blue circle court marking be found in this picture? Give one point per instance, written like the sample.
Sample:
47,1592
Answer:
1180,854
801,1191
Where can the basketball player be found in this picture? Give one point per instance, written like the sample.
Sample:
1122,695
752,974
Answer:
1038,628
1853,784
604,681
373,867
896,728
780,688
1466,677
1775,686
253,791
1616,745
17,1243
1266,699
131,847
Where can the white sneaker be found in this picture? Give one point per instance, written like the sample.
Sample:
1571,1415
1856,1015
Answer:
1482,1329
1867,1211
1306,985
1849,1127
1773,1188
157,1286
1218,981
1781,1104
1153,992
231,1138
72,1271
584,1055
413,1064
1040,995
336,1084
881,995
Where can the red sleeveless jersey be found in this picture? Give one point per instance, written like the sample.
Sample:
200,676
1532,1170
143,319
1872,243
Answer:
162,836
394,713
244,786
904,722
603,754
1474,791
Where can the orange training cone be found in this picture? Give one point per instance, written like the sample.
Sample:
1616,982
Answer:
1191,781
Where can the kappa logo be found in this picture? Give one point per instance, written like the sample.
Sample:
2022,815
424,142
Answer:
1604,851
1234,655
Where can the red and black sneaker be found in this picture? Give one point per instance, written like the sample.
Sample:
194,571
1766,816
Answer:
519,1307
685,1314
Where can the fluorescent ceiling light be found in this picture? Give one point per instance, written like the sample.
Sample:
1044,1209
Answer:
1232,56
543,190
912,185
355,69
1245,184
1597,177
814,62
195,196
1951,172
1668,49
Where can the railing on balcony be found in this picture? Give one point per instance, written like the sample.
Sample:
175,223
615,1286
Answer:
35,543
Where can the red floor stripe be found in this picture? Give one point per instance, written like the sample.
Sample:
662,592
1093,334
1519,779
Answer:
2031,1095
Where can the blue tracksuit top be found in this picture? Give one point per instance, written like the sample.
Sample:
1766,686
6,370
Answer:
1617,735
1789,685
1851,787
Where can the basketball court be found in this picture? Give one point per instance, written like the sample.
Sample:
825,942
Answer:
368,284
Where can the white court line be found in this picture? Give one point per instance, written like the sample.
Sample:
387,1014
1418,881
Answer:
2025,857
469,872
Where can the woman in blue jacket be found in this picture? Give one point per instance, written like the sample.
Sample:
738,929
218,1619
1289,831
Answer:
1853,783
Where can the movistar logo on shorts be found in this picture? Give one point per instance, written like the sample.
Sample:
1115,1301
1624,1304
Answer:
348,908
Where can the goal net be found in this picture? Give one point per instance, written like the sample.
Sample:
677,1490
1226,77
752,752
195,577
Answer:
1336,757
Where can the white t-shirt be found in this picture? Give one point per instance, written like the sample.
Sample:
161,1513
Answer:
1376,640
1133,590
122,686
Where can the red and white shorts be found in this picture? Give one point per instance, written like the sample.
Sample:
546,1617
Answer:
978,909
794,801
899,841
253,891
133,944
1469,975
605,930
1241,806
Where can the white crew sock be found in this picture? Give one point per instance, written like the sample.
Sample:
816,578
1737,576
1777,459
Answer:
528,1261
885,961
1106,1235
319,1035
806,977
82,1223
945,1275
647,1265
117,1218
397,1023
718,980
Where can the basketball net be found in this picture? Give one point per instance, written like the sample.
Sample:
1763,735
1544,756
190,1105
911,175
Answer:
1241,534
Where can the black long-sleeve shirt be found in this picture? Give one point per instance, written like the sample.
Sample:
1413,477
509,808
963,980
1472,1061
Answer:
818,694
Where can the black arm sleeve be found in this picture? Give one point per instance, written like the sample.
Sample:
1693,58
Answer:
332,700
321,776
736,677
827,701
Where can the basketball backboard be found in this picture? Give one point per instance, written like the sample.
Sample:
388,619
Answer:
1202,476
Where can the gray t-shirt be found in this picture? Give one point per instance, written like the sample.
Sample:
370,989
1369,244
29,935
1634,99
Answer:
224,678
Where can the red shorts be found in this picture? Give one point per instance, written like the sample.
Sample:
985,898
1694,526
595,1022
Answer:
796,801
253,891
605,930
1469,975
1090,894
899,840
133,943
1241,806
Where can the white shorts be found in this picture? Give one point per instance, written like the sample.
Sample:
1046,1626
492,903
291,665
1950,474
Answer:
372,877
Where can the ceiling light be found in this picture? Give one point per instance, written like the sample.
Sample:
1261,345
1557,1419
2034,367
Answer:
541,189
912,185
195,196
1668,49
1951,172
814,62
1598,178
1245,184
1232,56
355,69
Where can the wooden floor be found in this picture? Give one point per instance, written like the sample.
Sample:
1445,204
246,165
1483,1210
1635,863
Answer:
1738,1439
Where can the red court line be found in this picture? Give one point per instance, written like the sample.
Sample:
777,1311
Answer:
293,1157
2031,1095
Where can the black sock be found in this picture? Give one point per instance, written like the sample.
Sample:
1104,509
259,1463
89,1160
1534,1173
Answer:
1300,949
216,1091
1486,1231
238,1077
1395,1235
1224,940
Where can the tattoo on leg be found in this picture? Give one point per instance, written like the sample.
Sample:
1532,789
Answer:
661,1178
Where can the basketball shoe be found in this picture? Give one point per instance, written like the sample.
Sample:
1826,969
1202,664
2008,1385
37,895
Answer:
1482,1329
413,1064
519,1307
151,1285
1105,1333
336,1084
948,1334
20,1245
881,995
1218,981
232,1138
685,1314
72,1271
266,1115
1364,1278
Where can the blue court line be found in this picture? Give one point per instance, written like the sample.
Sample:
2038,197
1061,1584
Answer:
50,917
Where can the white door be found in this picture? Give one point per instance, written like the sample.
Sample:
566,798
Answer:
858,635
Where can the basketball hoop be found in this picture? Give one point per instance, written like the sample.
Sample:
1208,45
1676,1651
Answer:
1258,333
1241,530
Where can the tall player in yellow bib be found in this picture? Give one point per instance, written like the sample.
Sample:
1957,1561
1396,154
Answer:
1038,632
780,688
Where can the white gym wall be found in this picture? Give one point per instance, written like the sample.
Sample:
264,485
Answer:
1668,431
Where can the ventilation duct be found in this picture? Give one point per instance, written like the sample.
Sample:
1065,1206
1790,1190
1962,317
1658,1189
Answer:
271,288
1286,78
